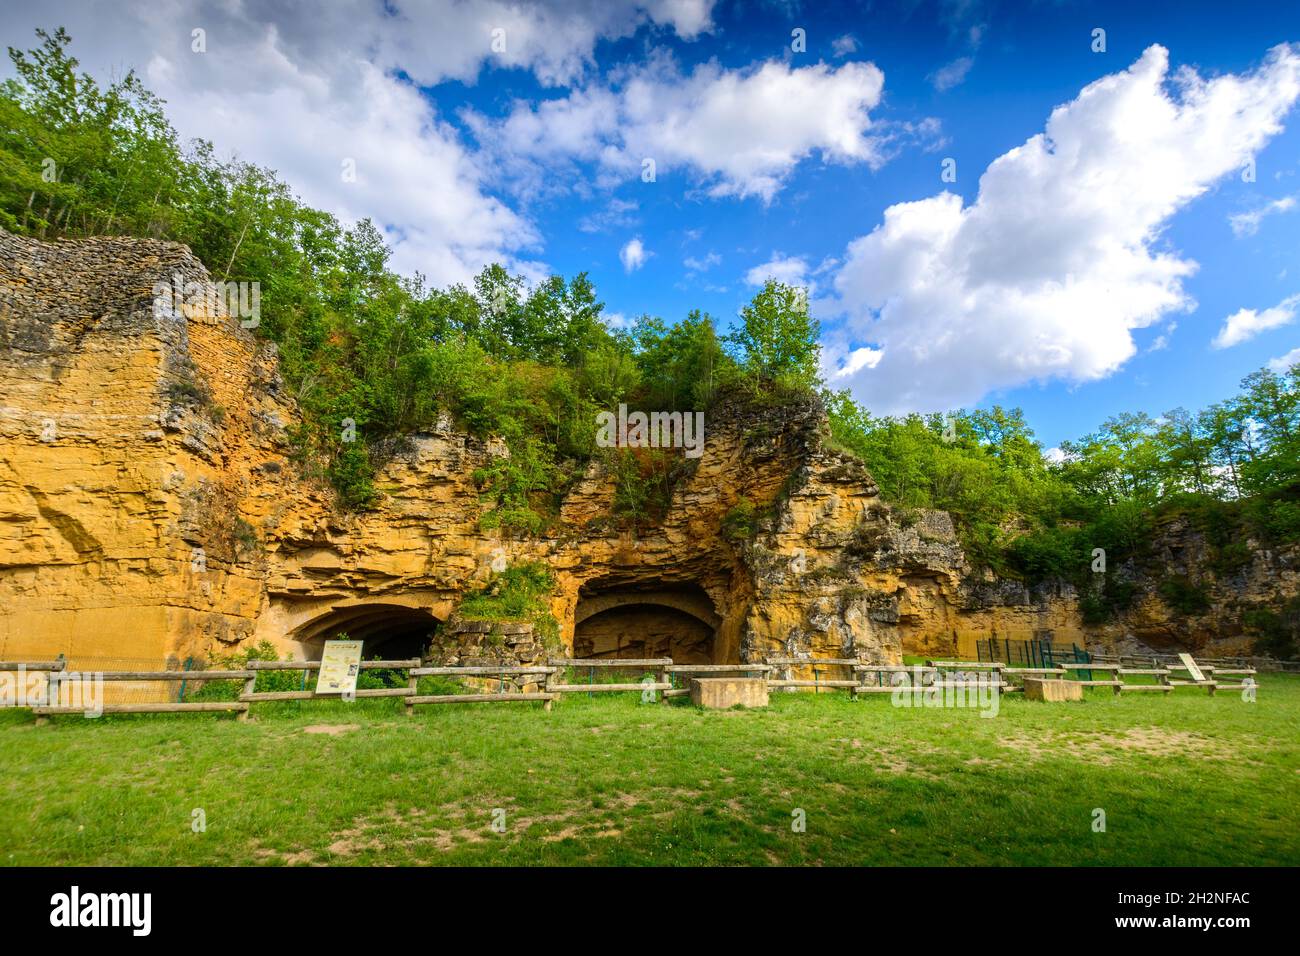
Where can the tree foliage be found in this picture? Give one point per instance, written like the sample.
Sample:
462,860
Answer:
369,355
531,365
1231,469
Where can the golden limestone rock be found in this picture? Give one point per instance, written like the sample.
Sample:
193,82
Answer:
151,509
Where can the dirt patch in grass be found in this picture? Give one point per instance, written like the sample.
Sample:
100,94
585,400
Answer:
333,730
392,828
888,761
283,857
1105,749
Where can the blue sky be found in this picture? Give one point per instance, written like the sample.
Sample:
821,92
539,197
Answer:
1069,289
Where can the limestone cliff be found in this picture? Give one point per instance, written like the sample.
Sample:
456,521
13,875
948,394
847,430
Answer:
150,509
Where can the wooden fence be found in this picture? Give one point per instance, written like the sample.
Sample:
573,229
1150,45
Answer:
546,673
866,678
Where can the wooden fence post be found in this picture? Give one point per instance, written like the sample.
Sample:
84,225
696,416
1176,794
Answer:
413,685
250,685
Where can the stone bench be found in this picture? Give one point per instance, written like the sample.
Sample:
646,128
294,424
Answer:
1052,689
719,693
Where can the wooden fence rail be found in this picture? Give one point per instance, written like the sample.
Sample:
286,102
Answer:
33,665
661,684
60,678
867,678
502,671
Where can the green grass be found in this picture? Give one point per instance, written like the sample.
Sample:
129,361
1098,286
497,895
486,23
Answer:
1184,779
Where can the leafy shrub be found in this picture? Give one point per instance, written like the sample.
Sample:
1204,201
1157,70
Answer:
644,479
1049,553
1106,602
352,475
740,523
1277,632
1184,596
520,593
238,660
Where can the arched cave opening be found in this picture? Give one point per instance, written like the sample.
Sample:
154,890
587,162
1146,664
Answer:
678,622
389,631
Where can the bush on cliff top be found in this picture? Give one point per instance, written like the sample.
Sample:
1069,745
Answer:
532,366
368,354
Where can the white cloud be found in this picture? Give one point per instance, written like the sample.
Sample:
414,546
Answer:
792,270
617,214
1284,362
1059,257
1244,324
695,264
1247,223
858,359
633,255
302,90
844,45
1162,340
438,40
951,74
738,132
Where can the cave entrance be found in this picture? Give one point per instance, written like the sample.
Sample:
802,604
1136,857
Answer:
390,631
676,622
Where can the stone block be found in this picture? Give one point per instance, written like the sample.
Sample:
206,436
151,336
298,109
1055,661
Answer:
719,693
1053,690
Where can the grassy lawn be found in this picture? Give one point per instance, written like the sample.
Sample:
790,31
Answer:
1184,779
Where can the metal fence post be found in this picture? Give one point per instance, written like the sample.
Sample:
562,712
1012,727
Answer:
184,667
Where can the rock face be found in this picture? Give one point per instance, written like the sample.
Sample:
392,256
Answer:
150,510
1224,598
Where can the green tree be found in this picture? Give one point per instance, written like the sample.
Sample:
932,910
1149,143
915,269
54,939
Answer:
778,339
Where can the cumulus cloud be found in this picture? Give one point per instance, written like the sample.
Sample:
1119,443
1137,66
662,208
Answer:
844,45
1284,362
303,90
617,214
1161,341
1247,223
437,40
701,263
792,270
633,255
1059,258
951,74
738,132
1244,324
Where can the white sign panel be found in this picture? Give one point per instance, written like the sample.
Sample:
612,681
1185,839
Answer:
1191,667
339,666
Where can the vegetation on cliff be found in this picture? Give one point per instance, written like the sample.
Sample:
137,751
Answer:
361,346
372,356
1232,470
